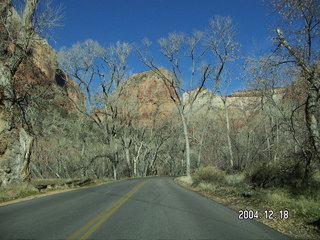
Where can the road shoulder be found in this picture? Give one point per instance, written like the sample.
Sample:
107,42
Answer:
290,227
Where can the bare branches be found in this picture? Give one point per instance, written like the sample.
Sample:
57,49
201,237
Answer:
293,52
115,58
302,25
305,16
171,46
186,56
47,18
221,41
80,62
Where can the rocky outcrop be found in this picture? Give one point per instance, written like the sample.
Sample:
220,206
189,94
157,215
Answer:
259,93
36,79
76,98
205,99
240,104
146,97
239,99
39,75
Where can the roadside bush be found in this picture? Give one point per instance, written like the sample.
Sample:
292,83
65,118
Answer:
235,179
261,175
288,172
292,172
209,174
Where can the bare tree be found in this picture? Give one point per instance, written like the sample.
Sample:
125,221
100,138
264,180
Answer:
180,50
18,33
99,72
300,41
224,48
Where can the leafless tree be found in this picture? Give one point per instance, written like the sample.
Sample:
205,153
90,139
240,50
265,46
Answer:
99,72
299,40
18,32
180,50
221,40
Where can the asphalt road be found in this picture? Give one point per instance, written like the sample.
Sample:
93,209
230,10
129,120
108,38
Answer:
152,208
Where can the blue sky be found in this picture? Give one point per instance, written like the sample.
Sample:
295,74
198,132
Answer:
108,21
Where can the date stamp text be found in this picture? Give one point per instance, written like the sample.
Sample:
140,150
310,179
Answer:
266,214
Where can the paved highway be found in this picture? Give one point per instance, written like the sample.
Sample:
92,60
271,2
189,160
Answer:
152,208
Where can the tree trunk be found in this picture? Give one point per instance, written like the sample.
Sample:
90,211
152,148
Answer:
151,165
275,156
268,142
26,142
114,167
312,109
200,150
128,158
312,76
187,144
226,114
201,141
135,160
134,167
248,152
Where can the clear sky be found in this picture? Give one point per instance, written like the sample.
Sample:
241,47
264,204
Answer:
108,21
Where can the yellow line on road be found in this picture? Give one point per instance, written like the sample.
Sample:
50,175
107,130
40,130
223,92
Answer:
105,215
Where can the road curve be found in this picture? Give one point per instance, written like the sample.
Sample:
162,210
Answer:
151,208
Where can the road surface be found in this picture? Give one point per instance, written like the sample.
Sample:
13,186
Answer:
150,208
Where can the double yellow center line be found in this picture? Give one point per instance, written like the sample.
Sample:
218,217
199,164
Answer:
96,222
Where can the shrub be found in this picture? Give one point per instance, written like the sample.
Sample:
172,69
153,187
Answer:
261,175
286,173
209,174
235,179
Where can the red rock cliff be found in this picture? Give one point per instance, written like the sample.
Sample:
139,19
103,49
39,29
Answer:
146,98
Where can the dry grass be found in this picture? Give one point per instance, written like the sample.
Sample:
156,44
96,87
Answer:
303,206
18,191
25,191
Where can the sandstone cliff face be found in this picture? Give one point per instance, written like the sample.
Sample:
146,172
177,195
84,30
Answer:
72,90
236,99
145,98
37,78
39,75
240,104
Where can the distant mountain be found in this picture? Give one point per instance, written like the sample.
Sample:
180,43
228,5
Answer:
145,97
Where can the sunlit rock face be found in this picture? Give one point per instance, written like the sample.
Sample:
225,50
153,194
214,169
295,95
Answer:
239,99
38,80
241,105
39,75
146,98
